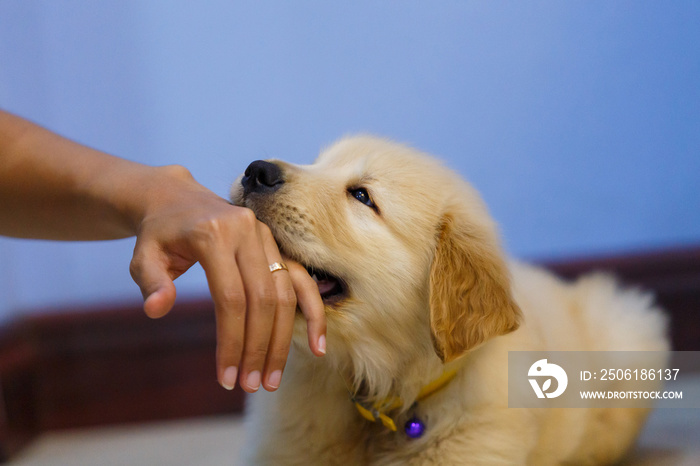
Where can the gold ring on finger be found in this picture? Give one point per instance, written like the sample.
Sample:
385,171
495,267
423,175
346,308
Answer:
275,266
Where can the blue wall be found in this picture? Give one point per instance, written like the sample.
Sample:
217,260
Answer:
578,121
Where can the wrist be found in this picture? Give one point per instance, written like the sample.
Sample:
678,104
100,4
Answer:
142,190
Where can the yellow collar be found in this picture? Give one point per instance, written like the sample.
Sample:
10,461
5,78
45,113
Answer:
377,410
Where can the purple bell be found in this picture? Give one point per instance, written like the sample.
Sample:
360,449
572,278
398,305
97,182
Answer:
414,427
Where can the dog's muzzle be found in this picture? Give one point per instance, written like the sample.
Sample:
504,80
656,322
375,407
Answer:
262,177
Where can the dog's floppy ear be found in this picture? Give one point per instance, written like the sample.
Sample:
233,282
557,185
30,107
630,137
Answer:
470,298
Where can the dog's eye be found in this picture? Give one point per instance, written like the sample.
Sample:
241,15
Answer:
362,195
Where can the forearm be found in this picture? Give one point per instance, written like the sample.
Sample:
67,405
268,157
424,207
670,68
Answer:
54,188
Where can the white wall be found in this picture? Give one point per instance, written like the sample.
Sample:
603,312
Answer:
578,121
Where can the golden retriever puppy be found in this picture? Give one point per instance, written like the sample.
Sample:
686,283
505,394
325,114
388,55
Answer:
422,309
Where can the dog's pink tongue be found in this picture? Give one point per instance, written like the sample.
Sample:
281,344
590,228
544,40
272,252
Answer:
325,286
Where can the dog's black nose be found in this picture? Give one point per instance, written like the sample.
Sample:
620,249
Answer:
262,177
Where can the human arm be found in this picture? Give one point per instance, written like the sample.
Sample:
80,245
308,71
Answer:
54,188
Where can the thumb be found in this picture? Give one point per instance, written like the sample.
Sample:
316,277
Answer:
157,288
161,301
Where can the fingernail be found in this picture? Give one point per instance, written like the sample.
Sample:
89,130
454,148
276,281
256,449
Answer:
228,379
253,380
275,379
322,344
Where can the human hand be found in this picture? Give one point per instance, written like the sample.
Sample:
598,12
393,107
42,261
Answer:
178,222
184,223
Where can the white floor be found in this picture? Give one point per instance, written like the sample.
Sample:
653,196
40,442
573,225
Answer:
671,438
194,442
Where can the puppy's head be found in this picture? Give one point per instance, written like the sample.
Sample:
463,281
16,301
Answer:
404,252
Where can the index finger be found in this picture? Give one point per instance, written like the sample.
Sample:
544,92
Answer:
230,310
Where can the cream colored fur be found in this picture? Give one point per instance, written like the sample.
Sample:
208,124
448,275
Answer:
429,288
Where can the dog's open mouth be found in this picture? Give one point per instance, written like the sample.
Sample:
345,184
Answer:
331,288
